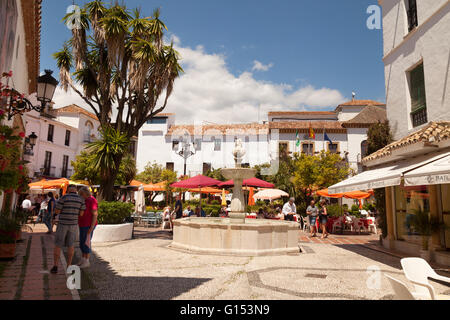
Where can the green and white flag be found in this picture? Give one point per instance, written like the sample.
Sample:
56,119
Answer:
297,137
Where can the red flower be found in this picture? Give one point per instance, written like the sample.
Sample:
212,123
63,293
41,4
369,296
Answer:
20,167
22,134
2,112
10,73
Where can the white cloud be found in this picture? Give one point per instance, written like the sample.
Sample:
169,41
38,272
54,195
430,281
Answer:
259,66
208,91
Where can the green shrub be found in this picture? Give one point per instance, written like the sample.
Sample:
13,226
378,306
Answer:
334,210
114,212
8,229
215,202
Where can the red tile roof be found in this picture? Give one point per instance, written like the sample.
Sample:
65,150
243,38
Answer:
433,132
362,103
76,109
294,113
222,128
305,125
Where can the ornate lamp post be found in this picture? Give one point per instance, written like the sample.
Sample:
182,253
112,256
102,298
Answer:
45,90
30,142
186,152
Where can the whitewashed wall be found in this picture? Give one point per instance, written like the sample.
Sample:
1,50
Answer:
428,43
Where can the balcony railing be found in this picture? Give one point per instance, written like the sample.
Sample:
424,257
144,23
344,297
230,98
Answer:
67,173
48,171
412,18
88,138
419,116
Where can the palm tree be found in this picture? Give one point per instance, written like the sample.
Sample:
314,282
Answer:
121,63
106,150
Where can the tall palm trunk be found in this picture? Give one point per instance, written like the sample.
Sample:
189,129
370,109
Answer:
108,181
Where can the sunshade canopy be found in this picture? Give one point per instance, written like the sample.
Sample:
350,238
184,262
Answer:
349,195
253,182
196,182
437,172
388,176
207,190
157,187
270,194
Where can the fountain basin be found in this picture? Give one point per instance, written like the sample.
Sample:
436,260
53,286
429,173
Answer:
219,236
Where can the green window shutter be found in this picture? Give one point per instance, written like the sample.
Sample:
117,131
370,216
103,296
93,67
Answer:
418,96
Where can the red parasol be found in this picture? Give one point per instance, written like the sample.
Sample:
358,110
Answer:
196,182
253,182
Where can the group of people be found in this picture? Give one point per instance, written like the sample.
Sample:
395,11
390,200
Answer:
320,213
76,217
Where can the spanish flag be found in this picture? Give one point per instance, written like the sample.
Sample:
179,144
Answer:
312,134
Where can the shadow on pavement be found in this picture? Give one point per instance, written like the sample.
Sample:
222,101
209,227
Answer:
100,282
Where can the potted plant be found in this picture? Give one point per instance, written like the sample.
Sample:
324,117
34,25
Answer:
425,226
8,233
21,217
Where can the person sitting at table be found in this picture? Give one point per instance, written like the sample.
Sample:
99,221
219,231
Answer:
223,212
289,210
261,214
199,212
188,212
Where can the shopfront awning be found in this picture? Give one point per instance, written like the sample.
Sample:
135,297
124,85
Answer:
437,172
382,177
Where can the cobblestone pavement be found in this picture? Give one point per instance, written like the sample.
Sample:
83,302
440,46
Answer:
144,268
27,276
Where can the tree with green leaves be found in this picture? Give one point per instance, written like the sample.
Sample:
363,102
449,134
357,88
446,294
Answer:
152,173
125,71
379,136
108,155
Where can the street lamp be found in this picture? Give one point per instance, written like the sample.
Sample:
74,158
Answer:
45,90
30,142
186,152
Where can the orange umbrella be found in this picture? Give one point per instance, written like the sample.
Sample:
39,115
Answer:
324,193
207,190
358,195
157,187
135,183
251,200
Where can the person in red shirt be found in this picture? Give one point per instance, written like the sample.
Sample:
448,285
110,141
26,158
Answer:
87,224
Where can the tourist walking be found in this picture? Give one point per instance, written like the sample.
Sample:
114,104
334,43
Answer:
87,223
289,210
312,213
26,203
48,214
323,218
43,212
178,208
68,209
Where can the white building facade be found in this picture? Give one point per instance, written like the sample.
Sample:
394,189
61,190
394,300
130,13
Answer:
161,140
62,134
414,170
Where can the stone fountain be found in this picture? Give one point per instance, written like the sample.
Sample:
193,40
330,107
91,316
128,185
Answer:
238,175
236,235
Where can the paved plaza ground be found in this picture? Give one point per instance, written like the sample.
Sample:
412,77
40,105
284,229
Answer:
145,268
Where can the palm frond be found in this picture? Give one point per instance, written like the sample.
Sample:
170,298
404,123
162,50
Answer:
64,62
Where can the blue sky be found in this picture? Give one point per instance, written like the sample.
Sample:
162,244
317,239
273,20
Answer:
298,45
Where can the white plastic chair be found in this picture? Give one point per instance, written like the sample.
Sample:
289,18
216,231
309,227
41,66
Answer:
417,270
372,224
401,290
305,224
